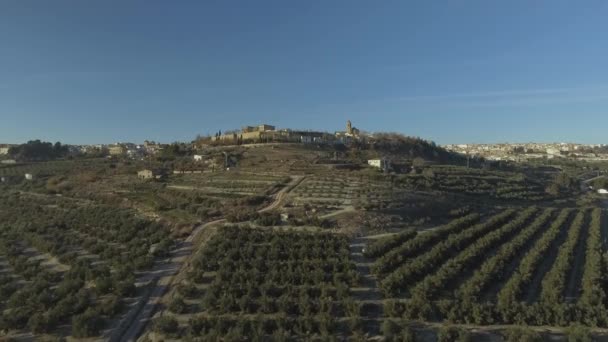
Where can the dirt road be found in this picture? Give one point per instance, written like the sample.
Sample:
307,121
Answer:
367,293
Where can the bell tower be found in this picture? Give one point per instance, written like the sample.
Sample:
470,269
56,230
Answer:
349,127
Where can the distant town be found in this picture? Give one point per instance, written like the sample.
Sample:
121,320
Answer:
519,152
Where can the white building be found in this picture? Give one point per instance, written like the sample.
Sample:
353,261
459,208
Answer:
198,157
29,176
602,191
306,139
382,164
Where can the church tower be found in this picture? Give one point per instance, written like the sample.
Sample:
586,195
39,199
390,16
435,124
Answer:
349,127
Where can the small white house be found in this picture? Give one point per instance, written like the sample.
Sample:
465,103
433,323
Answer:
375,163
602,191
382,164
198,157
29,176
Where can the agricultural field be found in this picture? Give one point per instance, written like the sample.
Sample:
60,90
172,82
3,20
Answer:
537,267
284,247
476,182
228,184
342,191
266,284
181,199
68,268
50,167
373,191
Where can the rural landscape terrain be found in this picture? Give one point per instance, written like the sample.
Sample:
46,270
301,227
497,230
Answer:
362,237
303,171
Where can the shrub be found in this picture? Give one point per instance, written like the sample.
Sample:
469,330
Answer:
40,323
453,334
389,329
268,219
166,325
177,305
87,324
125,288
522,334
407,335
111,305
187,290
578,333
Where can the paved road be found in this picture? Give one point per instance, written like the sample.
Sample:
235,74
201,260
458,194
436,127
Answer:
164,272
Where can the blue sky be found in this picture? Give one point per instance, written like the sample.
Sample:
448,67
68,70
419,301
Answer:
449,71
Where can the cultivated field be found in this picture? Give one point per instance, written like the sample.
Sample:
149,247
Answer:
265,283
538,266
227,184
88,250
68,268
339,192
496,184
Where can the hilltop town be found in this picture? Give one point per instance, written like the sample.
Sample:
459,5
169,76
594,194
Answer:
263,133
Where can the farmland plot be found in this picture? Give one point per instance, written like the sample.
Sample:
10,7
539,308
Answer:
227,183
501,185
534,267
69,269
266,284
341,192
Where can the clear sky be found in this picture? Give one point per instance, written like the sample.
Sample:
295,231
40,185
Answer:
450,71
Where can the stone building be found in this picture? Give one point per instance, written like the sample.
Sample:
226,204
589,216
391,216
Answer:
151,174
117,150
348,135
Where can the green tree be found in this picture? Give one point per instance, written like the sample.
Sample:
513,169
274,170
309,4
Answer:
177,305
522,334
87,324
389,329
166,325
578,333
453,334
